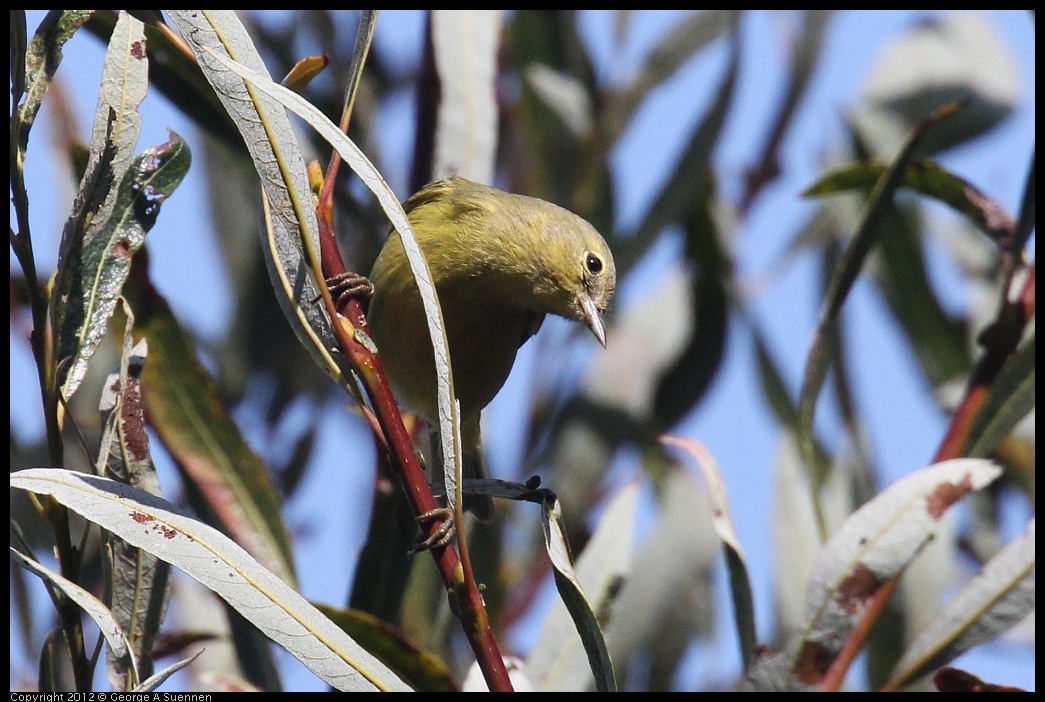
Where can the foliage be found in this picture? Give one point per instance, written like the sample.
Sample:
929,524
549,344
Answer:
866,555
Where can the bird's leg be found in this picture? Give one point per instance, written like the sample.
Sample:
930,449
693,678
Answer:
442,535
347,285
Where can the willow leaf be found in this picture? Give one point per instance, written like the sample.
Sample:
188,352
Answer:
210,557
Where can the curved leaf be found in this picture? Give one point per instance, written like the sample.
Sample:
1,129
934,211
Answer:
42,58
95,608
234,487
273,147
100,267
138,582
449,429
932,180
1000,596
845,276
875,543
573,596
732,550
220,565
557,661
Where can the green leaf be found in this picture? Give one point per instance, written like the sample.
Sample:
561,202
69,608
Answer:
572,595
874,544
732,550
417,667
1010,398
1000,596
220,69
841,284
681,386
138,582
932,180
562,658
210,557
41,61
676,201
94,272
291,235
233,486
938,339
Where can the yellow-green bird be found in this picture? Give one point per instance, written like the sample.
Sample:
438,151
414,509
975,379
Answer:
500,262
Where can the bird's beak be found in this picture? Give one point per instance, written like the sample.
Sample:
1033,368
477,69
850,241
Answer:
593,318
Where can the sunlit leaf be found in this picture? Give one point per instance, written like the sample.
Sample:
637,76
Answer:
1001,595
219,564
233,486
304,71
874,544
371,177
274,149
94,272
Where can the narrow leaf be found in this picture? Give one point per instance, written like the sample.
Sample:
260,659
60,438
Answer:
874,544
95,276
939,339
417,667
234,487
114,136
139,583
932,180
676,201
1010,398
465,45
41,61
736,565
274,150
361,165
1000,596
572,595
558,660
842,282
125,82
220,565
91,605
668,601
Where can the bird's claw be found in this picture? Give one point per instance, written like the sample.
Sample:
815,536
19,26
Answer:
441,536
347,285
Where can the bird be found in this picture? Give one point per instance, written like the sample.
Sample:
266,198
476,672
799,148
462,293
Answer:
500,263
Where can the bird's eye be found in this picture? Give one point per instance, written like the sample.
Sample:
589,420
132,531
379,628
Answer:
593,263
